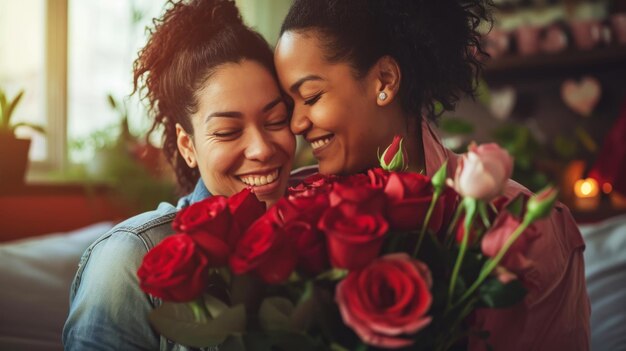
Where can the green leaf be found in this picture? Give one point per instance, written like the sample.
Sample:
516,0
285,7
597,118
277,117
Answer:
4,123
175,321
494,294
234,343
303,315
12,106
516,206
112,102
483,94
34,127
246,290
281,340
453,125
565,147
333,274
275,313
484,214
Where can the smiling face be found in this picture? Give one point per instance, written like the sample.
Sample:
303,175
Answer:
241,133
334,110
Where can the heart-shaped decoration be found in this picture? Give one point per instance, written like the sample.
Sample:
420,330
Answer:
582,97
502,101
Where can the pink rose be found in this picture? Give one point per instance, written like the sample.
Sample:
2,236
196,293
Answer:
504,225
483,172
386,300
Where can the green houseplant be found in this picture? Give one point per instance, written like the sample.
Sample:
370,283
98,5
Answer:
13,151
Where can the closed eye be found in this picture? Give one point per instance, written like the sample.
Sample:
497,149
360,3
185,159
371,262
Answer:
278,124
313,99
226,134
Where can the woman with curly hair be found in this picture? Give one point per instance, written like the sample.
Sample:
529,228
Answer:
211,86
360,72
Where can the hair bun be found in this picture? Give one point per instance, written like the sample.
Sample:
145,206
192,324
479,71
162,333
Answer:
225,12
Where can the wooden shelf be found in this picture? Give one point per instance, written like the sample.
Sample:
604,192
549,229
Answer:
566,62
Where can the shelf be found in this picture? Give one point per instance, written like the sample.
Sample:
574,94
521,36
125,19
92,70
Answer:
566,62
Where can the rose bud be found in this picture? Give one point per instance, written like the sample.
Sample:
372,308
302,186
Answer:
394,158
483,172
174,270
387,300
439,178
540,204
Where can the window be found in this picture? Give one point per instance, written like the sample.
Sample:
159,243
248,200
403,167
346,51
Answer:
104,38
22,66
69,55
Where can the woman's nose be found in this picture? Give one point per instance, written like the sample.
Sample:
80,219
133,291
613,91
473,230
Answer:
299,121
260,147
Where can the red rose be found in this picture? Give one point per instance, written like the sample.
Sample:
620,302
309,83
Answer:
298,215
504,225
354,234
409,196
308,205
210,225
310,246
265,249
358,190
316,181
245,209
378,177
386,300
174,270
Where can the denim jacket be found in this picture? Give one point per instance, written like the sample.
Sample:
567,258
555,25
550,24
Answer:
108,310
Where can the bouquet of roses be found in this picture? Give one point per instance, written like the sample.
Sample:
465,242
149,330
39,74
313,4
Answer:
387,259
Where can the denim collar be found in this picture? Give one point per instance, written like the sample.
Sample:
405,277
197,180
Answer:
199,193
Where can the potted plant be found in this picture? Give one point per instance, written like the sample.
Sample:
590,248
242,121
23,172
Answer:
13,151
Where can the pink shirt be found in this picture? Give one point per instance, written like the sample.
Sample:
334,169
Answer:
554,315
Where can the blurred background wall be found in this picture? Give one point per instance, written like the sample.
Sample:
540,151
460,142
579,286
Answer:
552,93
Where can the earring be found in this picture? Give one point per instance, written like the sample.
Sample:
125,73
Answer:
382,96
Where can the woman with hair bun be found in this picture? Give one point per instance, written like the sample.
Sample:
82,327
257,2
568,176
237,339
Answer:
360,72
211,87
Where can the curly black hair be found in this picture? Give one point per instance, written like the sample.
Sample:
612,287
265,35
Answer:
435,42
185,47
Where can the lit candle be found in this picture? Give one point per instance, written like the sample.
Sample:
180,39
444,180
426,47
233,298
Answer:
587,194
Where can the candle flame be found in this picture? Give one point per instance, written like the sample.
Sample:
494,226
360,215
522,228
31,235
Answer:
586,187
